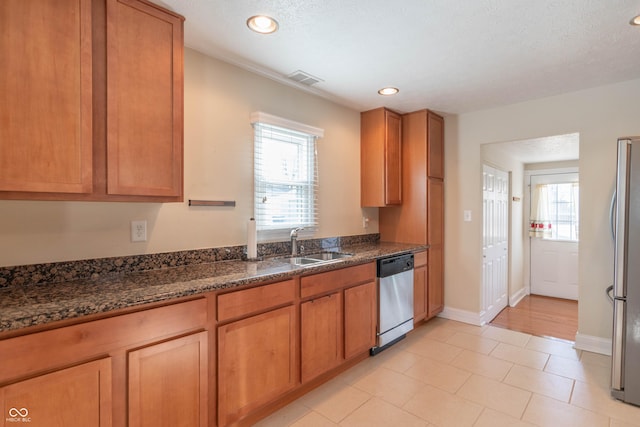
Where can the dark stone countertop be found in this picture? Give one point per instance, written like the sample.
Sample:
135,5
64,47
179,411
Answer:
27,305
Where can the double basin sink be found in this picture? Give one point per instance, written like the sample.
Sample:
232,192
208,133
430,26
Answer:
318,258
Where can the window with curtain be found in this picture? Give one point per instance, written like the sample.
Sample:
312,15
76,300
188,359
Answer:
554,211
285,176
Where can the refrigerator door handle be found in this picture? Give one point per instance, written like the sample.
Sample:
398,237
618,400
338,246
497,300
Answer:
617,352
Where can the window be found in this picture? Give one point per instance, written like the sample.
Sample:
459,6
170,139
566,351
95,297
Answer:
285,175
563,210
554,211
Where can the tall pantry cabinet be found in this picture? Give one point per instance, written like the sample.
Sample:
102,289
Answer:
420,218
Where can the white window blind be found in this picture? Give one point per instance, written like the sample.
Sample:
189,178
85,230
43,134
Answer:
285,175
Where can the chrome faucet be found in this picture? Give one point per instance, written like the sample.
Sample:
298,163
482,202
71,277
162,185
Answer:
294,240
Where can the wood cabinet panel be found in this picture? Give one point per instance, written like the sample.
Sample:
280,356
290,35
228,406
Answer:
168,383
144,100
248,301
435,298
321,335
419,293
22,355
79,396
435,212
360,319
256,362
380,158
435,137
46,101
393,159
337,279
420,258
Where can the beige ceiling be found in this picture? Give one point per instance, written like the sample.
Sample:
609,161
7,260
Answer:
452,56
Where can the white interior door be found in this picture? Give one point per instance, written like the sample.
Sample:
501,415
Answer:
495,238
554,260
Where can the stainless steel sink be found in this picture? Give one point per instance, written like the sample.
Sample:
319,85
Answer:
302,261
328,256
318,258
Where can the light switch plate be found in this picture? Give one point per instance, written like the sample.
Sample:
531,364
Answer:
467,216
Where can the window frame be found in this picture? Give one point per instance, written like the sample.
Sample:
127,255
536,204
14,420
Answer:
304,178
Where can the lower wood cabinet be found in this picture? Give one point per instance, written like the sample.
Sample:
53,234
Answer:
168,383
360,319
420,291
79,396
256,362
146,368
320,335
436,282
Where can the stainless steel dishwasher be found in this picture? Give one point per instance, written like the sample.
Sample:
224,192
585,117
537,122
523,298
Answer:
395,300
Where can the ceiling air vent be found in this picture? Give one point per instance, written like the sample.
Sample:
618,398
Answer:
304,78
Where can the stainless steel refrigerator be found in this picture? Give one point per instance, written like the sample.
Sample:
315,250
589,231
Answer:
625,366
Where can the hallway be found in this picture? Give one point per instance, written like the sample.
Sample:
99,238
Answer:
541,316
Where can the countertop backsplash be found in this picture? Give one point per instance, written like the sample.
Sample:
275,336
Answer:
92,269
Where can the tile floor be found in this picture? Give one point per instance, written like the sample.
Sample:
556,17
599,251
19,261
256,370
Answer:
447,373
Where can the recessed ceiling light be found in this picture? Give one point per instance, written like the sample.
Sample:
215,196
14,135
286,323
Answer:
262,24
388,91
635,20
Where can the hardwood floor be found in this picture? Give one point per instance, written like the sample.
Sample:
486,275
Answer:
541,316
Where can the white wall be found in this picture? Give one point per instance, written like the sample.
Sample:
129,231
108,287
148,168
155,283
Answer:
218,166
600,115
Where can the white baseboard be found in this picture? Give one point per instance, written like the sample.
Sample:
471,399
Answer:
463,316
593,344
517,297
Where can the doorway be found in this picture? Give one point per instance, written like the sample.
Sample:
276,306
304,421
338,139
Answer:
554,199
517,157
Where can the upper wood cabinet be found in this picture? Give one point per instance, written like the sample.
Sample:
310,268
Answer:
92,101
380,158
144,100
46,101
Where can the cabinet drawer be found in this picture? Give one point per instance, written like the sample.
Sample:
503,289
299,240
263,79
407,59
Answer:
336,279
420,258
248,301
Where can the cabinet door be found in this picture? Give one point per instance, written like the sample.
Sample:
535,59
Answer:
321,335
393,159
144,100
256,362
360,319
168,383
380,158
435,156
74,397
46,96
419,293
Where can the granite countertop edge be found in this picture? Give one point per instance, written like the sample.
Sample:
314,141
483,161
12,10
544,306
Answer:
27,306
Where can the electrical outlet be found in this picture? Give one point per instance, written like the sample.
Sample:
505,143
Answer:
138,231
365,222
